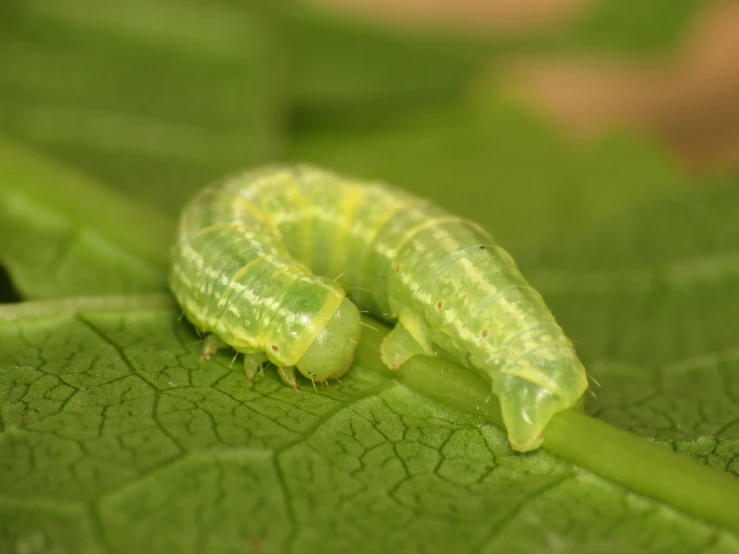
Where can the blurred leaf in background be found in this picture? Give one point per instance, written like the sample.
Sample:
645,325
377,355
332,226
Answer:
627,27
350,74
64,234
154,97
159,97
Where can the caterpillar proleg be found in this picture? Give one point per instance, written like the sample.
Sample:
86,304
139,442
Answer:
252,264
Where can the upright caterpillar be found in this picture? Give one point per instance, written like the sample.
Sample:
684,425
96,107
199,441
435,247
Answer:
246,268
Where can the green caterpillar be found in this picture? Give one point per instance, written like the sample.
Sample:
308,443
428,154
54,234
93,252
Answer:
247,268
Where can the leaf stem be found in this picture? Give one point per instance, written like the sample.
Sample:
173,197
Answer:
645,467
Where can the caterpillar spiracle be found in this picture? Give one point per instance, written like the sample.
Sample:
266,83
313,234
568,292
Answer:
249,266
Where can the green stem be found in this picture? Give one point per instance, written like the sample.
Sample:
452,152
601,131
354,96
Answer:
645,467
642,466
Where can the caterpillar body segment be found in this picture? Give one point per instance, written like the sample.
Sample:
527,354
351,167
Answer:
234,277
247,266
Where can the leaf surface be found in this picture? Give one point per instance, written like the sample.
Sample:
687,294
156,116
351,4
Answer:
117,438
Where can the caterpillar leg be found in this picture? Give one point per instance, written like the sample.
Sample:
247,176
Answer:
211,345
409,338
288,376
253,364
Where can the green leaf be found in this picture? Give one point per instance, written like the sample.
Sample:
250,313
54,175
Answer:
63,234
116,437
154,97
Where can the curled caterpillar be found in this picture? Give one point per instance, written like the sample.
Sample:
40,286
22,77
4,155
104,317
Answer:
248,262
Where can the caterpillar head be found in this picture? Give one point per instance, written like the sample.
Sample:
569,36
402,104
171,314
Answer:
332,351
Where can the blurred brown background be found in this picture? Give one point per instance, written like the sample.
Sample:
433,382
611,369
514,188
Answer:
687,98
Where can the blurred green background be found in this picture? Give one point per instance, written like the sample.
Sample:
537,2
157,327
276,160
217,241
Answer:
159,97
